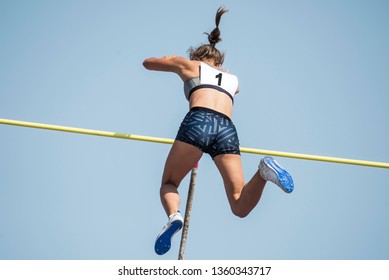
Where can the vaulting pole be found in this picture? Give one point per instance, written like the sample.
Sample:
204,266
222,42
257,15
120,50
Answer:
188,211
170,141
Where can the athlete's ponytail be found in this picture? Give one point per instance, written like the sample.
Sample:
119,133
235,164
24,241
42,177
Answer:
214,37
208,51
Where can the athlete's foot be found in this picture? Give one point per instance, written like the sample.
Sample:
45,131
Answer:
270,170
163,241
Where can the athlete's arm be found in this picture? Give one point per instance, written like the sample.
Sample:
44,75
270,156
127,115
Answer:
176,64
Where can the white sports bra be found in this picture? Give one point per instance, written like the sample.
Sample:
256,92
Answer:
214,78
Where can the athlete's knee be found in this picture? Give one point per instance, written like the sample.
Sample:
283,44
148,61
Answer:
239,212
169,185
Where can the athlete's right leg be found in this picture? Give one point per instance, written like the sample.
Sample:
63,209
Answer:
244,197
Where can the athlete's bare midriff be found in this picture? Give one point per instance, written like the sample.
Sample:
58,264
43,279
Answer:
212,99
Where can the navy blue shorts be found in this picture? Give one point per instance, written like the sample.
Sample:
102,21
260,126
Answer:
210,131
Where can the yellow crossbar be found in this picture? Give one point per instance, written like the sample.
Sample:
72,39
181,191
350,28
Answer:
170,141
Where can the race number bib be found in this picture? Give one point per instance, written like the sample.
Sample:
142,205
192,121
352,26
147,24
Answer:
212,76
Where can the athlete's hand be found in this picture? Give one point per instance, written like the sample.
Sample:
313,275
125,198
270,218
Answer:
169,56
223,69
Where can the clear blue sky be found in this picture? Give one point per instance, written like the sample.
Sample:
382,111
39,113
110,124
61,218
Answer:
314,79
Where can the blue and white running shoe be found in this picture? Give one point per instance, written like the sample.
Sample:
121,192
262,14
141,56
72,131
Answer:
163,241
270,170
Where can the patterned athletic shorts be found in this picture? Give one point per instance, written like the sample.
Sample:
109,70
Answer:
210,131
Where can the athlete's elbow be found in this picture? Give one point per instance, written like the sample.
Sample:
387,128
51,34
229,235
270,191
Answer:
147,63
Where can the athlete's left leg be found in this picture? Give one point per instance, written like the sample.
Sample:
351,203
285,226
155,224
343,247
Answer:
181,159
242,197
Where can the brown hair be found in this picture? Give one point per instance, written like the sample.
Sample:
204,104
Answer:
209,51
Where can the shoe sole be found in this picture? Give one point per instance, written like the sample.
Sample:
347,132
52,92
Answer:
163,242
284,178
